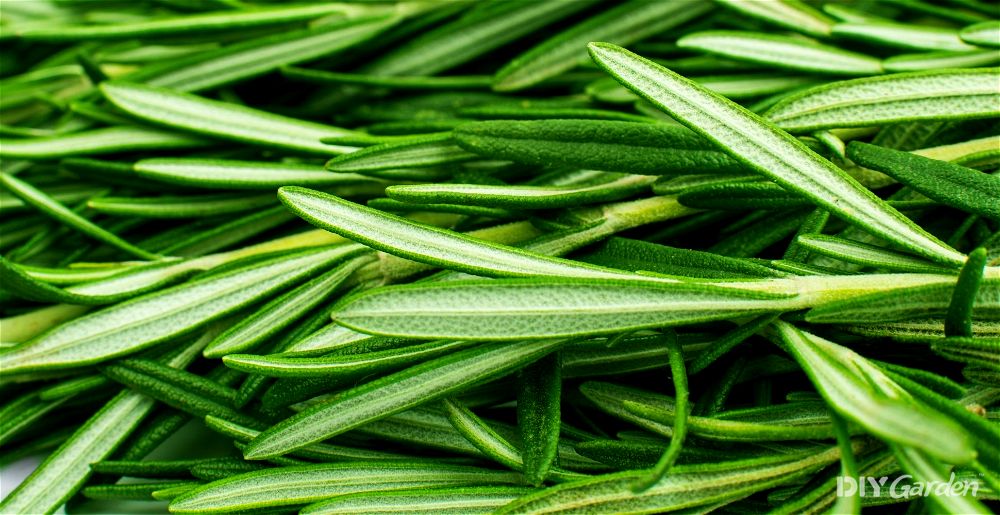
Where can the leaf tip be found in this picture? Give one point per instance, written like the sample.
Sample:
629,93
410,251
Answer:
260,449
599,48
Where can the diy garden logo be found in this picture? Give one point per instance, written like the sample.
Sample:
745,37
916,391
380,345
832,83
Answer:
904,487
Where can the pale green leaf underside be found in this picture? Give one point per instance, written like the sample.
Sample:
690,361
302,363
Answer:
471,500
397,392
240,61
416,153
353,364
182,24
542,308
464,39
918,37
222,120
769,150
521,197
282,311
782,52
862,253
906,303
425,243
284,486
938,60
928,95
231,174
862,393
152,318
986,34
181,206
684,487
60,475
626,23
789,14
98,141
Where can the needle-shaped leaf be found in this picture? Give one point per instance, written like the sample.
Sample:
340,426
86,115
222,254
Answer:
613,187
282,311
424,243
789,52
468,500
65,471
902,35
471,36
958,319
351,365
419,82
482,436
904,303
132,281
16,281
865,254
291,486
229,233
318,451
231,174
246,59
640,148
430,428
52,208
788,14
768,150
658,413
153,468
214,471
951,184
396,206
741,195
396,392
180,25
860,392
515,112
986,33
222,120
979,351
110,140
622,454
679,426
185,391
412,153
133,491
328,339
687,487
543,308
490,442
69,194
901,97
539,396
624,24
640,255
753,85
938,60
985,435
189,206
19,417
153,318
422,427
728,341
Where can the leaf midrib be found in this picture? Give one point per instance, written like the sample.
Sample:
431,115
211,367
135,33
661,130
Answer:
884,99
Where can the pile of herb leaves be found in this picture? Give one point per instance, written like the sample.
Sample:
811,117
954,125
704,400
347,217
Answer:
500,256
